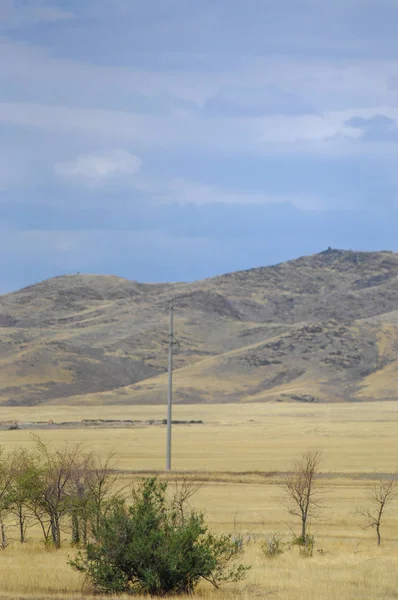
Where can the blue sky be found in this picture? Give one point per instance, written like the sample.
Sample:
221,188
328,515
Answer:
174,140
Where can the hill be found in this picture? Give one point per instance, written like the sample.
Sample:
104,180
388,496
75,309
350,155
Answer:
319,328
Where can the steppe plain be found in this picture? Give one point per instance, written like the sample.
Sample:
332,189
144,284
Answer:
270,363
239,452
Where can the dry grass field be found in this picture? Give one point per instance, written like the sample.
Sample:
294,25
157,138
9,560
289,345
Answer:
238,452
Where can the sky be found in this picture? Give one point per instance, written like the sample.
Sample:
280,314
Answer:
165,140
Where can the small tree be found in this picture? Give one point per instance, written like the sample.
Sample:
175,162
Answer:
152,547
92,489
8,465
52,498
301,489
81,500
101,483
381,496
24,488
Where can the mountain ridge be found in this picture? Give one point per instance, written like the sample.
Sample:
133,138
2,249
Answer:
101,338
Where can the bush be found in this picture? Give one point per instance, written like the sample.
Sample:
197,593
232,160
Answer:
306,545
273,545
156,546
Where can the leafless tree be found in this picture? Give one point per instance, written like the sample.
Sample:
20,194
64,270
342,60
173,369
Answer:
184,488
381,495
102,483
93,485
302,490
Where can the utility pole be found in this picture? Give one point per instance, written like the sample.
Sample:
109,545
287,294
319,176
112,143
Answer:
170,386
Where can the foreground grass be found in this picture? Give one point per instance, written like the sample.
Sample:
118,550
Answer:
345,572
238,453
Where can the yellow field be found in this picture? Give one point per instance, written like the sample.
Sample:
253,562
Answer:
237,452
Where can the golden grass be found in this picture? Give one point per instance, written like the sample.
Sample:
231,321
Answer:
347,572
237,451
356,438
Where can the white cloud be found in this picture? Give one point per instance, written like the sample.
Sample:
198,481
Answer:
95,168
261,136
182,191
244,81
80,83
99,103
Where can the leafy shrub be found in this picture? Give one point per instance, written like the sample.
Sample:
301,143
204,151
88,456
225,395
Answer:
156,546
273,545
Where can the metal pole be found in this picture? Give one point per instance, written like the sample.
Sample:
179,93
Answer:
170,387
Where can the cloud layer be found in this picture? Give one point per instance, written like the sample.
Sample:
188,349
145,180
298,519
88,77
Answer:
248,131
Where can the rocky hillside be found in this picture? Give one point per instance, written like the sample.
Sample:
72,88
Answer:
319,328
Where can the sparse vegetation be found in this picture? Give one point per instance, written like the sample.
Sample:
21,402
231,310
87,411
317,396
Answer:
305,544
302,491
345,559
381,496
273,545
232,327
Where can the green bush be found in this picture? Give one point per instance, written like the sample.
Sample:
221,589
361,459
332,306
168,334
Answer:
156,546
273,545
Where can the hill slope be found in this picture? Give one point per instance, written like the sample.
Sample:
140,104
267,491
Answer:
323,327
